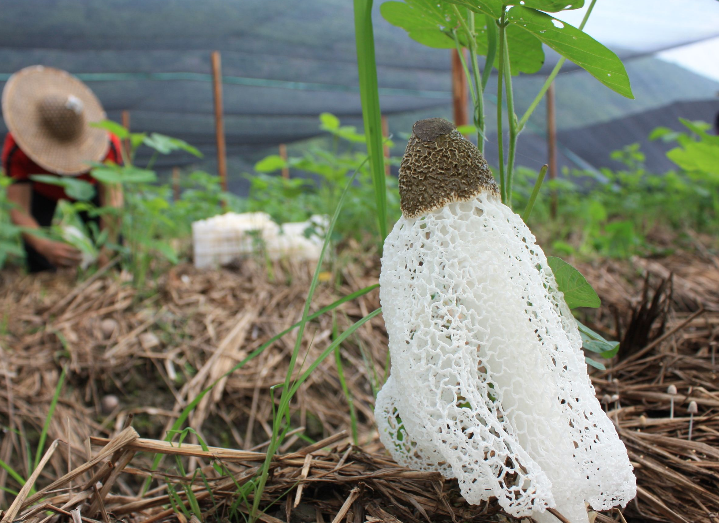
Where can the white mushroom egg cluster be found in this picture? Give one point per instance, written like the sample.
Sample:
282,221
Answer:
221,239
488,381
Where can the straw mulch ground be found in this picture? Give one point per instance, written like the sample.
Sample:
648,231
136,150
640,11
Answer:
134,360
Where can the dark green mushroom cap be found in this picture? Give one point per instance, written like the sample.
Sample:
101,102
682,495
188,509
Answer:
439,167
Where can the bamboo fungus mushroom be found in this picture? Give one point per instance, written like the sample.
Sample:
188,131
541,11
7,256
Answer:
488,382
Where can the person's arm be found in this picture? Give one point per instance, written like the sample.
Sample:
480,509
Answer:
58,253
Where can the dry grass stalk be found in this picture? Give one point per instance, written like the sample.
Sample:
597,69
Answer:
206,322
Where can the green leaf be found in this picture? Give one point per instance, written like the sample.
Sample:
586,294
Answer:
661,132
467,129
576,289
165,144
270,164
551,6
136,139
594,364
128,174
74,188
329,122
526,54
696,156
700,129
114,127
594,342
428,22
575,45
492,8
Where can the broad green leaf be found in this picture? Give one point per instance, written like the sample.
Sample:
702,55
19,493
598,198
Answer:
467,129
428,22
576,289
576,46
136,139
74,188
700,129
492,8
594,364
525,51
114,127
696,156
270,164
129,174
594,342
551,6
431,24
165,144
329,122
664,133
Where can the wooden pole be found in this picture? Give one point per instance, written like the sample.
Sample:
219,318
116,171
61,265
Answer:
385,133
219,124
552,145
460,92
283,155
176,183
126,124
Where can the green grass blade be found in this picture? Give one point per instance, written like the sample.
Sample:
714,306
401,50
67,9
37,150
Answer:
13,474
343,384
371,113
48,419
342,337
193,404
288,392
535,192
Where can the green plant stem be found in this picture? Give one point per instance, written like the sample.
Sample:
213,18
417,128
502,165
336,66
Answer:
465,67
535,193
478,112
500,137
371,114
513,128
491,50
473,78
288,390
551,76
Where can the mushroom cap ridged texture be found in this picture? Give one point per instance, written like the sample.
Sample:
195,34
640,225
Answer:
439,166
488,382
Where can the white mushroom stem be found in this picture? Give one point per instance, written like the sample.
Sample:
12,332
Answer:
693,409
671,390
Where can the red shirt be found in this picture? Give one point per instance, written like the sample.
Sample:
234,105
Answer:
20,167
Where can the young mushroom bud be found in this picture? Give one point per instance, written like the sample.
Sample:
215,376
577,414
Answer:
488,382
693,409
672,391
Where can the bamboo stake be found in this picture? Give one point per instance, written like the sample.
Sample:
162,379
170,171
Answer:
126,124
219,123
459,91
176,183
552,145
283,155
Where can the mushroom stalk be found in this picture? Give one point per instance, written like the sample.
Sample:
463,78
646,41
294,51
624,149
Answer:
693,409
488,381
672,391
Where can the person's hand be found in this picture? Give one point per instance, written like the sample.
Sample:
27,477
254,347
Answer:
60,254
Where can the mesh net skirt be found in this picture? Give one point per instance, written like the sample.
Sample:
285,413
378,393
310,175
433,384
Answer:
488,382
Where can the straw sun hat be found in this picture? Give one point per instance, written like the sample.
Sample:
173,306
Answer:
48,112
